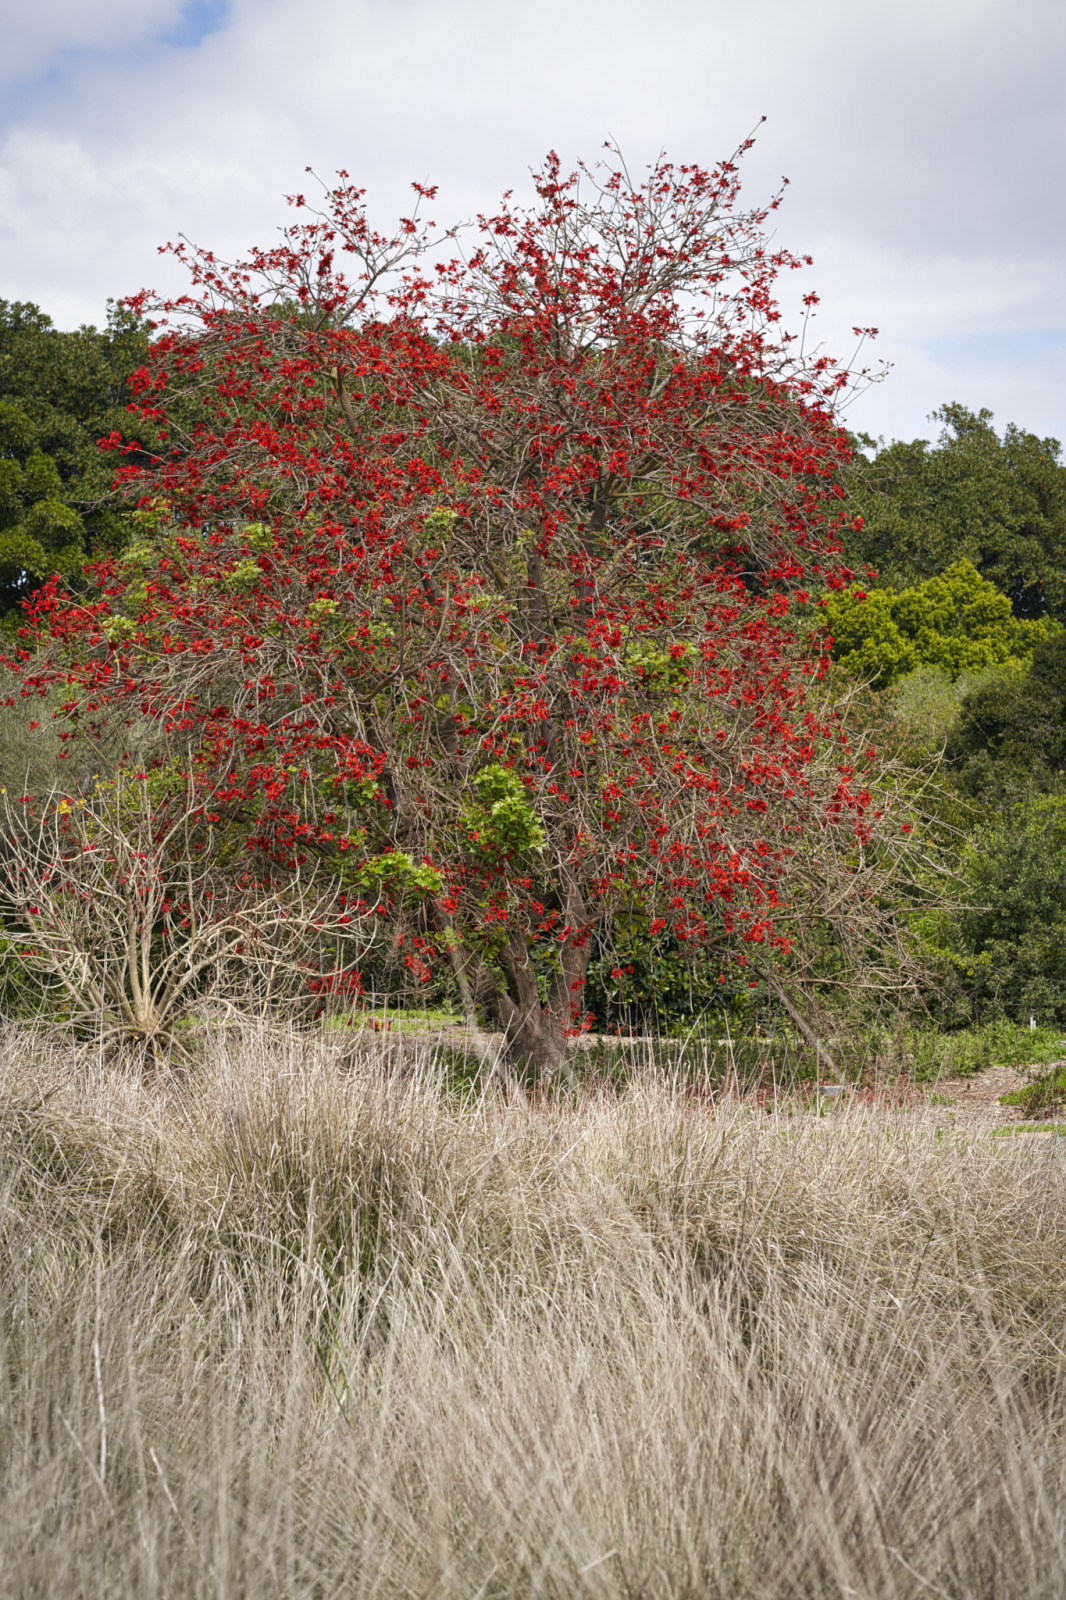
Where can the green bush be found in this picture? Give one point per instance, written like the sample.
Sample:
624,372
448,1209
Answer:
1003,954
956,621
927,703
1044,1092
639,982
1013,725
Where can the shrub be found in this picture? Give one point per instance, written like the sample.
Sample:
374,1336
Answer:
1007,946
957,622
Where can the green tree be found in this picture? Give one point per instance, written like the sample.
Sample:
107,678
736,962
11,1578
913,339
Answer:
1009,948
1011,729
957,622
997,502
60,393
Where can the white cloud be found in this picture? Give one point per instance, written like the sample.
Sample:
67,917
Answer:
40,37
924,139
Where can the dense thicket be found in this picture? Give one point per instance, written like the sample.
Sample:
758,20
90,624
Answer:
60,393
996,501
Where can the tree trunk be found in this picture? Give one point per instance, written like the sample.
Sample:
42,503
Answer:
536,1031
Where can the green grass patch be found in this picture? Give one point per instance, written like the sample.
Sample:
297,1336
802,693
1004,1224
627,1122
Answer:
395,1019
927,1054
1030,1127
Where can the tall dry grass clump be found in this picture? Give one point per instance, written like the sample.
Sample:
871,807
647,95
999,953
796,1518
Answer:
305,1324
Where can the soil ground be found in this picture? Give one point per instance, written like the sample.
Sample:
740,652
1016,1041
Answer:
976,1108
971,1106
976,1104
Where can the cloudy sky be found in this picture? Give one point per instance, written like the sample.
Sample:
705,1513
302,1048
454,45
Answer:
925,141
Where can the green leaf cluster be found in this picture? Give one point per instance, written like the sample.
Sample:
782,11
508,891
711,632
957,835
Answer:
501,822
396,872
657,668
957,621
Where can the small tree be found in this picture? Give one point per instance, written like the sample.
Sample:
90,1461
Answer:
475,577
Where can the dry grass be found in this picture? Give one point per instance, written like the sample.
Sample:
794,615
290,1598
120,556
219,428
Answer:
299,1327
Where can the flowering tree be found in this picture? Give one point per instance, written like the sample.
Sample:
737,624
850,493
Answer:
468,576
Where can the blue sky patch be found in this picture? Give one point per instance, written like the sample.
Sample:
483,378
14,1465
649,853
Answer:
198,19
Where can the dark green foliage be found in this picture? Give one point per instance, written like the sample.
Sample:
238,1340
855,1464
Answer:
39,533
998,502
1008,946
639,982
59,394
1011,727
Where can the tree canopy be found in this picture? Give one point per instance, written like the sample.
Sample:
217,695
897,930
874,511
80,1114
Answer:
40,533
1008,945
997,502
957,621
1011,728
60,393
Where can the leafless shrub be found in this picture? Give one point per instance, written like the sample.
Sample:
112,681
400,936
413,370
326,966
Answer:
127,911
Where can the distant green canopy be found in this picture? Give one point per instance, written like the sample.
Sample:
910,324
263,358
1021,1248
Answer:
999,502
957,622
60,392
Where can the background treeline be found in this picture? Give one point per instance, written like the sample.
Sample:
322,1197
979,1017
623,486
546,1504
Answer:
960,639
952,641
60,394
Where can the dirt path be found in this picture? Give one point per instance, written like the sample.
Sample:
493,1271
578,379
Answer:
975,1101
